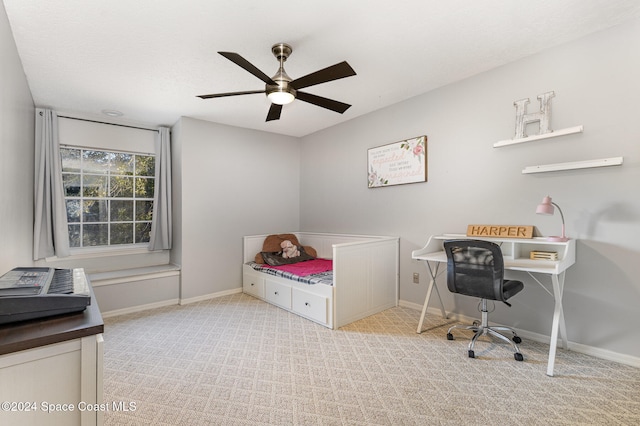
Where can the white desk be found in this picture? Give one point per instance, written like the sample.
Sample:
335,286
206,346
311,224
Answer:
516,258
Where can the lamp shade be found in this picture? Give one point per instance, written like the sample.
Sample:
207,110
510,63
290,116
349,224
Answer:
545,207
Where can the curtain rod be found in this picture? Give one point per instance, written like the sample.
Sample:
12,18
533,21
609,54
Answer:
102,122
111,124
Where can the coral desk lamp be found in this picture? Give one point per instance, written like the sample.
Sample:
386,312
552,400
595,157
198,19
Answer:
546,208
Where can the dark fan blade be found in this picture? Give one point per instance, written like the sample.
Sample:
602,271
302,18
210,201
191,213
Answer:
334,72
222,95
323,102
274,112
239,60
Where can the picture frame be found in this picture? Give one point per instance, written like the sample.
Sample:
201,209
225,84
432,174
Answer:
397,163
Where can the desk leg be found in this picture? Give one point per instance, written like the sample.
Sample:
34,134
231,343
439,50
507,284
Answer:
558,322
432,284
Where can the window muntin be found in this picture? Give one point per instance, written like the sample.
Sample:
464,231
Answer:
108,196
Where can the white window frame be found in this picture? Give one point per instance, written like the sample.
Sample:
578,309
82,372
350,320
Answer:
115,249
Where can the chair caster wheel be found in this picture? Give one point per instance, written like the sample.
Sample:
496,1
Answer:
473,355
518,356
476,323
449,336
517,339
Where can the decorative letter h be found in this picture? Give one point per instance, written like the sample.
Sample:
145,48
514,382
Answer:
543,116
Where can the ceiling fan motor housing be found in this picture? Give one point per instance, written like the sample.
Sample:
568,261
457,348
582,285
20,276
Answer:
281,51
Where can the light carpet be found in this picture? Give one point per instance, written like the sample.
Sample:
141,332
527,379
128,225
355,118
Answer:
236,360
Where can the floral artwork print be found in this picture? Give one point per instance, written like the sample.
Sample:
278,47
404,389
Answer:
398,163
416,146
375,180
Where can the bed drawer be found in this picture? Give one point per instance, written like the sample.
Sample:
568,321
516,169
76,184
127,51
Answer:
278,294
253,284
309,305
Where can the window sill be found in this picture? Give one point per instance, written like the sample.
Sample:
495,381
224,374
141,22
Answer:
94,253
121,276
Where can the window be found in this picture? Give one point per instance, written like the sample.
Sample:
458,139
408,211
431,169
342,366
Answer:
108,195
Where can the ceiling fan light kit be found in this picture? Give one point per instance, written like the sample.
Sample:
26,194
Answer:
281,97
281,89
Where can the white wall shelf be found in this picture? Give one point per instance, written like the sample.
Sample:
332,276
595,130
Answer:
602,162
555,133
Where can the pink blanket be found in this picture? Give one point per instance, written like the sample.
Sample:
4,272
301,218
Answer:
308,267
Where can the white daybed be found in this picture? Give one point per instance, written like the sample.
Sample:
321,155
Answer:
365,278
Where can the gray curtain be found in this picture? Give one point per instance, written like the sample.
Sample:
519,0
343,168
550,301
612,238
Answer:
161,223
50,231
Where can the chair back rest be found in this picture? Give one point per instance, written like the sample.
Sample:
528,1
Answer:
475,268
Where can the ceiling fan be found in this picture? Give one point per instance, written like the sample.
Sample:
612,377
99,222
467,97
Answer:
281,89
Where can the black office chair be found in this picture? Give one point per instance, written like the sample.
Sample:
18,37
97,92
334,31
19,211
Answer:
476,268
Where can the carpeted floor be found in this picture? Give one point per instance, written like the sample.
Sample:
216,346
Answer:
236,360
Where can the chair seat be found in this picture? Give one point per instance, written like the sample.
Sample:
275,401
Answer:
511,288
469,287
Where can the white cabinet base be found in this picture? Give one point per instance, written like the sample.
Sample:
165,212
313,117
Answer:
62,378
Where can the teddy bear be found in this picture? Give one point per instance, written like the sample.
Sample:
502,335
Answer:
272,243
289,250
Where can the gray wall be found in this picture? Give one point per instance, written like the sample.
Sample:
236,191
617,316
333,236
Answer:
597,85
232,182
17,130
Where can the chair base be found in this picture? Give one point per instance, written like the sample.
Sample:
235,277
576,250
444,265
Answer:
483,328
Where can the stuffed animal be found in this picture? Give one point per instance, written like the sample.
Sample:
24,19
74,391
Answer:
289,250
272,242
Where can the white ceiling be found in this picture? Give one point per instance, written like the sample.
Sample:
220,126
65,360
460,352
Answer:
150,58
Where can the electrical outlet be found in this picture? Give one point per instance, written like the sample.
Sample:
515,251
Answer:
416,278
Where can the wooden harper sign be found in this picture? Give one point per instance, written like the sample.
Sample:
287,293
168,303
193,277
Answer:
500,231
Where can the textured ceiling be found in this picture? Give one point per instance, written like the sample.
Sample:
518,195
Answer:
150,58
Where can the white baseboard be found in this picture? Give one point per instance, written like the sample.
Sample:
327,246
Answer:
139,308
410,305
536,337
169,302
210,296
632,361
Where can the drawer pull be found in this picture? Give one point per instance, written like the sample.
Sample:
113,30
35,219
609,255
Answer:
307,304
252,284
275,292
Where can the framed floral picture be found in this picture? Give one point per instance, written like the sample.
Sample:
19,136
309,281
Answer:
398,163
